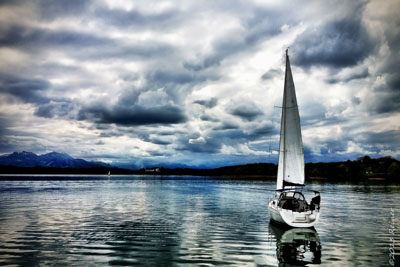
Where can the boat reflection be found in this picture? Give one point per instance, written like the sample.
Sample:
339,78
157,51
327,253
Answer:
296,246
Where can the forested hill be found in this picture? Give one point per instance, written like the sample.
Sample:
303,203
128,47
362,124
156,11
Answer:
362,168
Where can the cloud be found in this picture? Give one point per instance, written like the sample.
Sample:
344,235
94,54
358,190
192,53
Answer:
201,145
198,141
50,10
160,141
386,140
266,129
338,43
30,38
227,125
138,19
27,90
161,77
81,45
272,74
206,117
245,110
52,109
364,73
261,24
210,103
135,115
387,85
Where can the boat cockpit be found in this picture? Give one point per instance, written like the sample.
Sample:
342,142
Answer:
295,201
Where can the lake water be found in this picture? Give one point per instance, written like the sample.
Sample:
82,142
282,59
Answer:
178,221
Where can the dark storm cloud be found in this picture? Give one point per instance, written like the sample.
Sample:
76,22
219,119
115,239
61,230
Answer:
227,125
161,77
99,143
81,45
54,108
5,144
389,100
210,103
10,2
118,49
272,74
175,82
54,69
330,150
389,140
160,141
354,76
264,130
49,9
230,134
206,117
335,146
246,111
339,43
230,137
154,137
45,111
31,38
27,90
34,91
394,81
134,115
137,19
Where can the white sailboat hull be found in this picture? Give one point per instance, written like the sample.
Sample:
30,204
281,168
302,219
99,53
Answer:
292,218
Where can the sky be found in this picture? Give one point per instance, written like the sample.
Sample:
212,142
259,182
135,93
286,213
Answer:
198,83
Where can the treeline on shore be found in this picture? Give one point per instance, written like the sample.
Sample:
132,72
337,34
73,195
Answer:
363,168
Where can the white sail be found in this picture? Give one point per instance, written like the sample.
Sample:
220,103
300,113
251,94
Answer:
291,154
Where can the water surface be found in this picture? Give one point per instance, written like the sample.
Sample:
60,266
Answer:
163,221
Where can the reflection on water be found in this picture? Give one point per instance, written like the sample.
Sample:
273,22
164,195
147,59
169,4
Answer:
296,246
135,220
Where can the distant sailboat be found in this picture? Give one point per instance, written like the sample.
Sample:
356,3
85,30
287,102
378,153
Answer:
289,206
109,173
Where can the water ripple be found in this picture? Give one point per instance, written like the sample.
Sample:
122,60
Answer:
186,222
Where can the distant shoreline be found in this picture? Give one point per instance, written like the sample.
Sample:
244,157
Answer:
384,169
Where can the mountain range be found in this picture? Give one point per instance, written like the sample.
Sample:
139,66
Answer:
53,159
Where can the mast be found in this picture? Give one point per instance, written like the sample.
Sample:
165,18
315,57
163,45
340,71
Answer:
291,154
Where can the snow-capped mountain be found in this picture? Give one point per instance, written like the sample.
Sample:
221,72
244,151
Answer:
53,159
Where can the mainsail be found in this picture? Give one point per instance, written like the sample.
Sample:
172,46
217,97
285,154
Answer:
291,154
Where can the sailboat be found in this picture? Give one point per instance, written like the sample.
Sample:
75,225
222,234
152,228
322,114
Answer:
289,205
